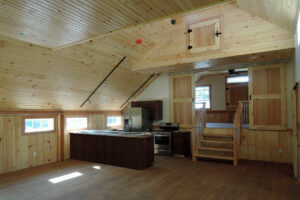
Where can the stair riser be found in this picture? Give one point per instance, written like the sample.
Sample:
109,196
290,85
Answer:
215,153
218,138
218,131
216,145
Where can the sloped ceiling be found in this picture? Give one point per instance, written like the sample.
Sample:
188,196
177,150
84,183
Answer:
33,77
55,23
280,12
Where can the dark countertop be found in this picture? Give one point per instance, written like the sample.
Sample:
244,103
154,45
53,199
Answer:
114,133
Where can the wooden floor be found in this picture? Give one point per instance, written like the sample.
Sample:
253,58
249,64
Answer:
171,178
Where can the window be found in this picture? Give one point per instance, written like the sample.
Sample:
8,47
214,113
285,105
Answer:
75,123
298,30
37,125
113,121
202,95
237,79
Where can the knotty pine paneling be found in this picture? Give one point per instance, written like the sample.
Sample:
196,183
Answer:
16,150
58,23
242,33
271,146
37,78
283,12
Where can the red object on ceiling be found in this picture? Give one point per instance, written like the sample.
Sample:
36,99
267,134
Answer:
139,41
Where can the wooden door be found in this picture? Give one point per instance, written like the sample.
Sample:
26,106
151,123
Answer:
267,95
205,36
236,93
181,99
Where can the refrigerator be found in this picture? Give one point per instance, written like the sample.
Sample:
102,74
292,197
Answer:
136,119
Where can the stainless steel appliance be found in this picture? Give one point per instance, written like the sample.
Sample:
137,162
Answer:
136,119
163,138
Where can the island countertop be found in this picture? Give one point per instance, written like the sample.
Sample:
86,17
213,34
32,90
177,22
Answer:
133,150
114,133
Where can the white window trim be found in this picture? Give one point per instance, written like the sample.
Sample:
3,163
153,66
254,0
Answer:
40,117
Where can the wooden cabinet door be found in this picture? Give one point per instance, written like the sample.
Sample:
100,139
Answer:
181,99
267,90
204,36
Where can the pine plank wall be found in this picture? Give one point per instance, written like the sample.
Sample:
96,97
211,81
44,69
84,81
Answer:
17,150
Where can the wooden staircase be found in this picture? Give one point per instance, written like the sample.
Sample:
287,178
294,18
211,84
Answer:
218,143
215,145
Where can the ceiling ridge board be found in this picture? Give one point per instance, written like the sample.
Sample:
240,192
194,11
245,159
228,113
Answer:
219,3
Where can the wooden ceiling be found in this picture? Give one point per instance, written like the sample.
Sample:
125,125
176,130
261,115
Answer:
32,77
281,12
56,23
233,62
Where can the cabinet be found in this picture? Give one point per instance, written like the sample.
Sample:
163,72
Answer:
154,107
205,36
181,143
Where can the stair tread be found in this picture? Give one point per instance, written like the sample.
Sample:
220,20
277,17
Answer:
216,149
217,135
214,156
216,141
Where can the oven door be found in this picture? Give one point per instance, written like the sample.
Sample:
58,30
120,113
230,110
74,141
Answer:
162,141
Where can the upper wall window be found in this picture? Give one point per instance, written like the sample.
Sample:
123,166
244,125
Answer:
202,95
298,30
113,121
39,124
237,79
76,123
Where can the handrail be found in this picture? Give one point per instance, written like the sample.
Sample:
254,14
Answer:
237,131
198,127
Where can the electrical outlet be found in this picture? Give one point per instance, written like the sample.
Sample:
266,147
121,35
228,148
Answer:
34,154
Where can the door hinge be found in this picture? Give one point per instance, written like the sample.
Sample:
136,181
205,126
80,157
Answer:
218,33
190,47
190,30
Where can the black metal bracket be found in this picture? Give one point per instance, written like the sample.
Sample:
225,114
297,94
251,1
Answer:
295,86
122,60
190,47
218,33
138,90
190,30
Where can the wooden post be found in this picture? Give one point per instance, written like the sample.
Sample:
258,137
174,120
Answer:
295,133
194,146
62,137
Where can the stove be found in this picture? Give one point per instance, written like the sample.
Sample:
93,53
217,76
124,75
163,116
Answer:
163,138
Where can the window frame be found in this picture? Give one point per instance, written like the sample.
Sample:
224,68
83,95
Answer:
210,99
39,117
119,126
76,116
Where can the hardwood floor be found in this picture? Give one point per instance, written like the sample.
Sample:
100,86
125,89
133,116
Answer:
170,178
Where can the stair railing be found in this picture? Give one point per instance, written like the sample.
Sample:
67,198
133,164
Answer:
245,111
237,131
198,128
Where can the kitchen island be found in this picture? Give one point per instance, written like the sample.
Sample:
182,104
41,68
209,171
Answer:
125,149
